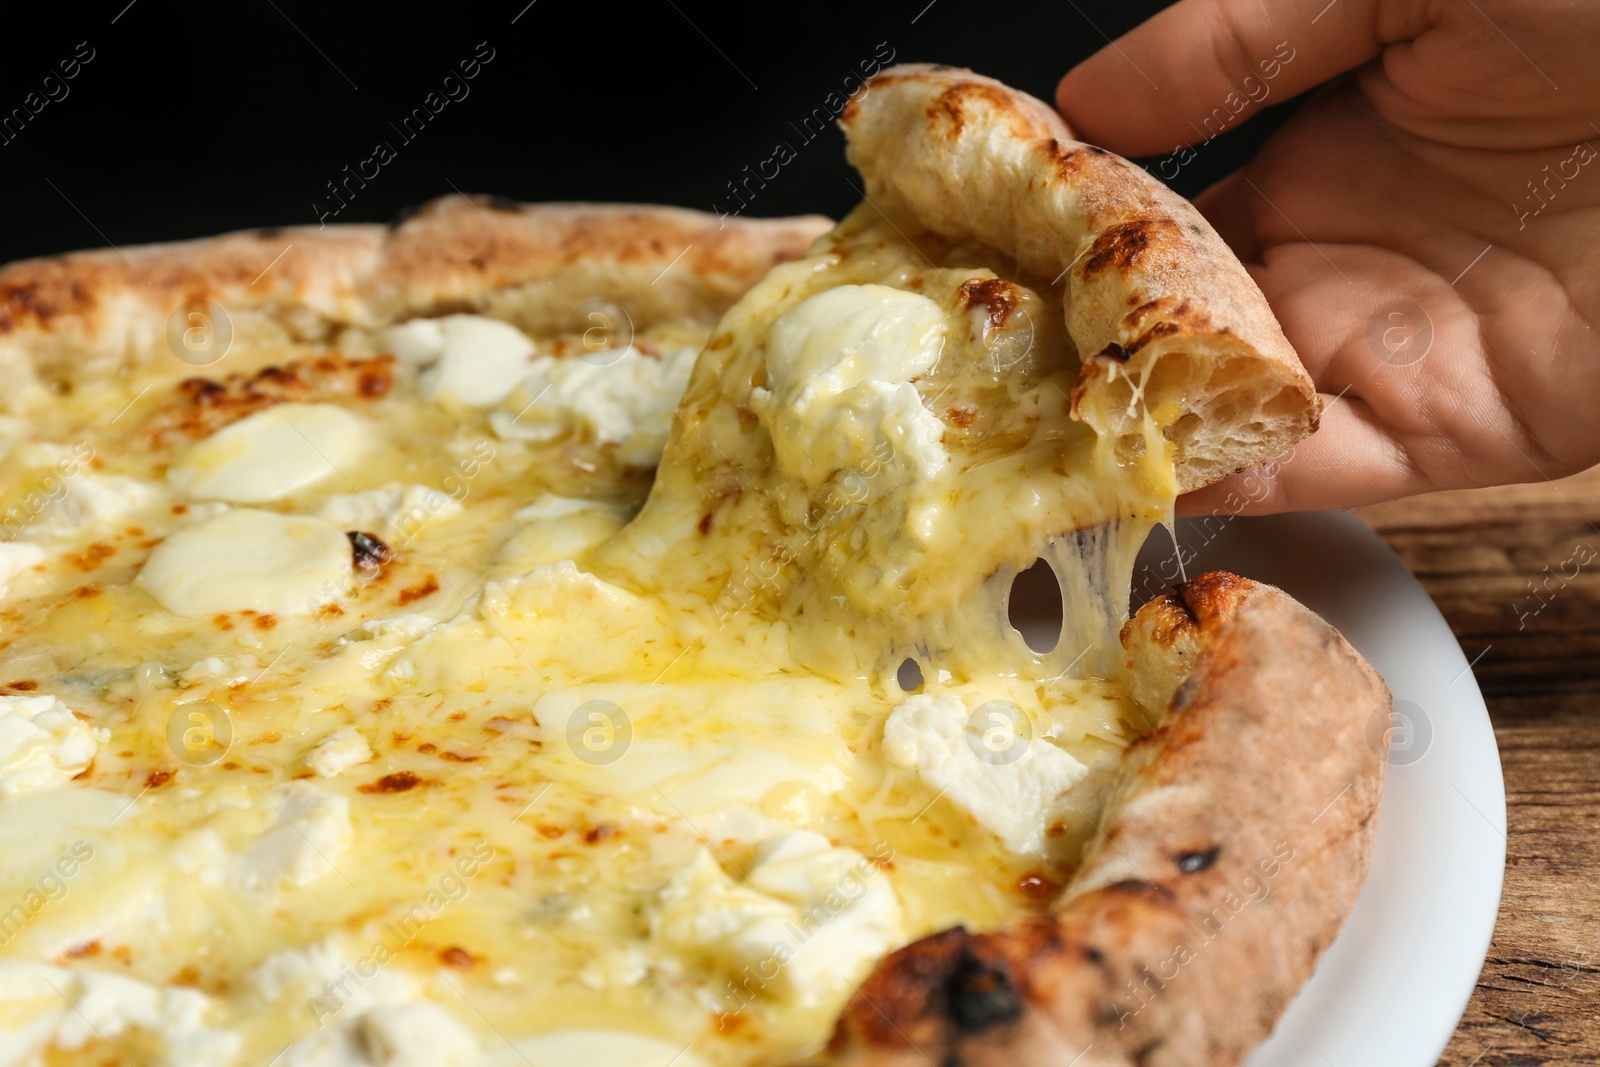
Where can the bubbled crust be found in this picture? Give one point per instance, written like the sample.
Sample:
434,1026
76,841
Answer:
1146,276
1230,853
92,313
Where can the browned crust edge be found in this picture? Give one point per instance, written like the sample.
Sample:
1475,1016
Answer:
87,314
1146,275
1230,854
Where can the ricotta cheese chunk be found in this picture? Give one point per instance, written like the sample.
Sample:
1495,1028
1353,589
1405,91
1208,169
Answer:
304,843
618,397
338,752
809,917
396,513
472,360
367,1012
840,393
94,498
244,559
70,1009
271,454
1014,799
42,744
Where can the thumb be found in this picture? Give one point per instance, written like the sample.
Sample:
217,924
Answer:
1203,66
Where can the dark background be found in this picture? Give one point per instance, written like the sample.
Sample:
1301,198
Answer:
190,121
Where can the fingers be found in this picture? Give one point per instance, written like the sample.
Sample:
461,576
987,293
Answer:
1230,207
1203,66
1352,460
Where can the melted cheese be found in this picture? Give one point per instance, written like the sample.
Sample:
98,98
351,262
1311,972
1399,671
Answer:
573,773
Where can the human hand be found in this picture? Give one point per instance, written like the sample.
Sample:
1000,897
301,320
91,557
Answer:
1427,230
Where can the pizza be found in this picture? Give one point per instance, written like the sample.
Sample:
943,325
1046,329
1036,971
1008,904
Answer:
571,633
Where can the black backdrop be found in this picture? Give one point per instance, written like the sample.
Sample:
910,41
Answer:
179,121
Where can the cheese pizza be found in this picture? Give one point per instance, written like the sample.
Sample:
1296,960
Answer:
578,634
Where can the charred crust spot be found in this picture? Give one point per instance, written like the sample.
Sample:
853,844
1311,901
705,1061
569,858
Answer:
1212,597
267,233
500,203
157,779
399,782
704,525
1121,353
23,685
204,405
367,552
1120,246
1195,862
961,417
1093,955
1096,150
952,105
996,296
947,107
979,994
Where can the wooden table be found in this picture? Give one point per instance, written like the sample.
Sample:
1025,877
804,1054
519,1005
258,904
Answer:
1516,571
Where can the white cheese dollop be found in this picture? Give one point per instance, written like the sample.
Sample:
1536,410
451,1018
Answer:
839,392
247,559
815,914
473,360
619,397
42,744
1013,800
268,455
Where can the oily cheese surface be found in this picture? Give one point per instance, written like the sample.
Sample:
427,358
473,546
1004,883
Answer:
373,723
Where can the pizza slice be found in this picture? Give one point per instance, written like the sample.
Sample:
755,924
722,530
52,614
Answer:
549,635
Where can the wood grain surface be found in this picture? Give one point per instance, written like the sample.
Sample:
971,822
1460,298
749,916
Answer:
1516,572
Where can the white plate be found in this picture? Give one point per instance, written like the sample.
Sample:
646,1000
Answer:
1391,989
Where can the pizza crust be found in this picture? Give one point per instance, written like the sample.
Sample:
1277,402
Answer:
88,314
1231,851
1156,303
